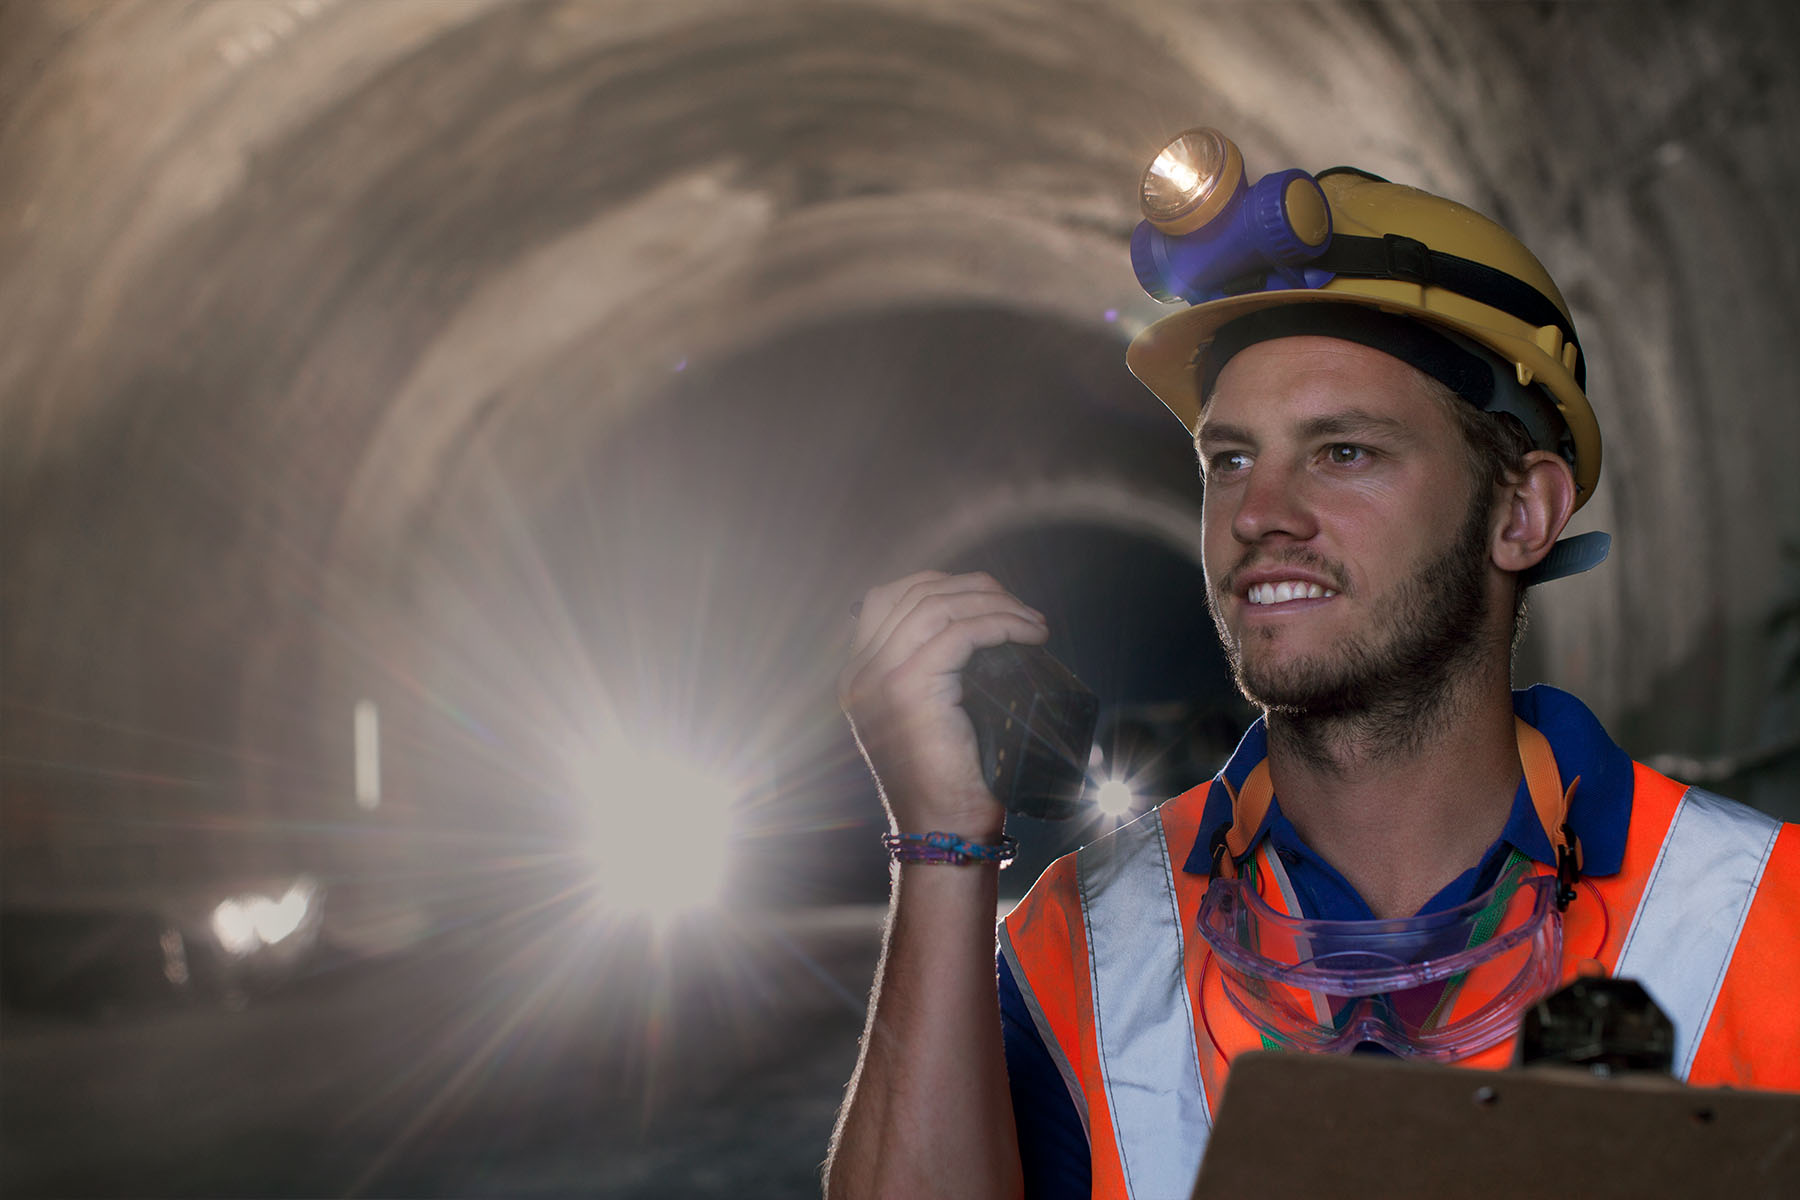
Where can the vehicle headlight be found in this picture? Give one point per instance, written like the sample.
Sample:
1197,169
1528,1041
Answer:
232,926
245,924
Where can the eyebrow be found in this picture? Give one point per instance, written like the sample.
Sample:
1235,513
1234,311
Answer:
1349,423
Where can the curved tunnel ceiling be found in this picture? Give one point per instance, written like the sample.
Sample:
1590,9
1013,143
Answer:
340,334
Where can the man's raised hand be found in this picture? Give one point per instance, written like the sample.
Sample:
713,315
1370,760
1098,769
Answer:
903,690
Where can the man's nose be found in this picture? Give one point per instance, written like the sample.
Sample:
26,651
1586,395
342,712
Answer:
1273,503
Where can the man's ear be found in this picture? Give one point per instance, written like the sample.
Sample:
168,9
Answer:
1534,507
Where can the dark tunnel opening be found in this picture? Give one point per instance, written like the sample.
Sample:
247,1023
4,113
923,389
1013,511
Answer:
688,575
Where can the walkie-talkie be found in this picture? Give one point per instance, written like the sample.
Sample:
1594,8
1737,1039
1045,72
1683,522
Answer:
1034,726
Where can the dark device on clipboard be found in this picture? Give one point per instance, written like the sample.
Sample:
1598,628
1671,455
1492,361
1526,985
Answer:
1034,727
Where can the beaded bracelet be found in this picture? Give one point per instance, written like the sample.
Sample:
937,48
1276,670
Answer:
936,847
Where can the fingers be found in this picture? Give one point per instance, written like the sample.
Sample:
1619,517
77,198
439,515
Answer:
885,607
929,623
879,603
902,690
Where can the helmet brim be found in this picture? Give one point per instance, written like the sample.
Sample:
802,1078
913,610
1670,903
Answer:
1166,356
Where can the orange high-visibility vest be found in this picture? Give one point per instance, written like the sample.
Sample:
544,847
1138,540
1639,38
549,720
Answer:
1704,912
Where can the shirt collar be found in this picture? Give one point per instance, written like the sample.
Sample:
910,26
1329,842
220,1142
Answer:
1599,812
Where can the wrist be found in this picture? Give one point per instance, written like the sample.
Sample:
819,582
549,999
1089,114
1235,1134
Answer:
980,820
942,848
972,831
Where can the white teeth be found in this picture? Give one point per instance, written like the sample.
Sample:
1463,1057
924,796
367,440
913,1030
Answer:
1287,589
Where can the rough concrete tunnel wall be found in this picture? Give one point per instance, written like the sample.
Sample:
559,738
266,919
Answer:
412,349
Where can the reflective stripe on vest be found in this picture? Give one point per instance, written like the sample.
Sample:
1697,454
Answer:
1143,1020
1687,926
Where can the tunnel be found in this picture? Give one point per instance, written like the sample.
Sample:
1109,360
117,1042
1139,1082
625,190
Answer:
517,379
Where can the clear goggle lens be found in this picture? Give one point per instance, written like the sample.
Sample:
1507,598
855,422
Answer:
1439,986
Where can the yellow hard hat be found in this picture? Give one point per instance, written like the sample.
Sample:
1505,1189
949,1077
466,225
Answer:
1402,251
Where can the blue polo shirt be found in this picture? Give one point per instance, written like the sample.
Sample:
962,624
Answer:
1052,1143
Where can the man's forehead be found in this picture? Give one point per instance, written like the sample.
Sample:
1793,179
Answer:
1315,377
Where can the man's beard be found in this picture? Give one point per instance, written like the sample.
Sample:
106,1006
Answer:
1392,679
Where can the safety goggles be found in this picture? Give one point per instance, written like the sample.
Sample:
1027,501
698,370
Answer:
1439,986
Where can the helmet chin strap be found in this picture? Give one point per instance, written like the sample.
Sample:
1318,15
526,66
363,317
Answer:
1569,556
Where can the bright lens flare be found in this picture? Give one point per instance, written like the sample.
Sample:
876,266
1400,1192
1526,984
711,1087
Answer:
1114,798
663,833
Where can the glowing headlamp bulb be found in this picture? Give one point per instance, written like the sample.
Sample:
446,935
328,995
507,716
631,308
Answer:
1193,178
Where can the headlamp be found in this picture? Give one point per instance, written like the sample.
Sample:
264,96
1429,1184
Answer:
1207,234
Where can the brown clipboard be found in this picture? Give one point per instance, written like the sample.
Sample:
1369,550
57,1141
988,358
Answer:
1333,1125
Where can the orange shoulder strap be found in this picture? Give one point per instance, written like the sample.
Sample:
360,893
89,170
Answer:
1544,782
1250,803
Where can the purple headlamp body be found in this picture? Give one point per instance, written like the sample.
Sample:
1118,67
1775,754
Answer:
1251,245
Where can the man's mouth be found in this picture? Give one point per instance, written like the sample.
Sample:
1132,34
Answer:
1287,589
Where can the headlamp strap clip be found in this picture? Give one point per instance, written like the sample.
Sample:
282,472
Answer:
1408,259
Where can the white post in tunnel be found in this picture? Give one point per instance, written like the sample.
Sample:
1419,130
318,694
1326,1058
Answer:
368,755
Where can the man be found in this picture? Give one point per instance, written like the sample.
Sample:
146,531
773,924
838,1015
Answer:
1393,432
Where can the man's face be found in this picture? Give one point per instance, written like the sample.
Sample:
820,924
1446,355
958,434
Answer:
1345,561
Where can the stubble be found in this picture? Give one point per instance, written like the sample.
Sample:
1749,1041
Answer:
1388,691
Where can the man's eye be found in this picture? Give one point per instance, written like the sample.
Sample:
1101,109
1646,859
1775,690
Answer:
1227,461
1345,455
